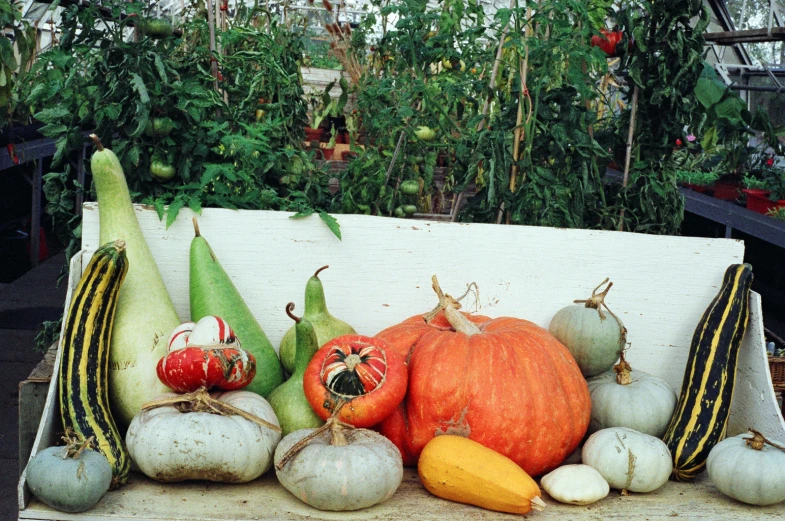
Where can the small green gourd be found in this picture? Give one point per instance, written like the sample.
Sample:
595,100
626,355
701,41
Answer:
288,400
324,324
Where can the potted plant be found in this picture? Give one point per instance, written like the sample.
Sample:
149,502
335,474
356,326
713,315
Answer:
766,192
697,180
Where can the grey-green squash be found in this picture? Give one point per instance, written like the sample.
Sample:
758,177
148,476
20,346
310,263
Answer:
593,337
71,478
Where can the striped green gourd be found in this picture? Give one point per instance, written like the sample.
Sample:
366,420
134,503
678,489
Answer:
701,416
84,361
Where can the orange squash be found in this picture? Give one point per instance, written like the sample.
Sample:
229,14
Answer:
506,383
462,470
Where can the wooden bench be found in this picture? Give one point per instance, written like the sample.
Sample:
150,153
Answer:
380,274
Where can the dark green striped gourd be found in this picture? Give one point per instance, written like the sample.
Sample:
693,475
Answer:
84,361
701,416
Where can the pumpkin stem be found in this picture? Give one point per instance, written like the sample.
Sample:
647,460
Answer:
538,504
75,443
758,440
450,306
333,424
201,401
597,301
622,370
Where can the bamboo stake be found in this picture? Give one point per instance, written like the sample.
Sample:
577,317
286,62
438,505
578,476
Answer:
487,105
630,132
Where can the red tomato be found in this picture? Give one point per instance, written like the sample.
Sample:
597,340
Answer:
608,41
227,368
365,372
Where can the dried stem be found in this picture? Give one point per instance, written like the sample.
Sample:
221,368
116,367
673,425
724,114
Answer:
622,370
450,307
289,309
201,401
333,425
758,440
320,270
75,443
597,301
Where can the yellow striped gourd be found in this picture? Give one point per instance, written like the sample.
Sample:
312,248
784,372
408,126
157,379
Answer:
84,361
701,416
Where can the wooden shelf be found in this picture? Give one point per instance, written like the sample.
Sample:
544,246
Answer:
748,36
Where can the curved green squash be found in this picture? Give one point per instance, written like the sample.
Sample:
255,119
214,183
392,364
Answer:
84,360
701,415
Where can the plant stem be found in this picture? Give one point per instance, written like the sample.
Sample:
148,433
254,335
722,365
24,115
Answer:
630,133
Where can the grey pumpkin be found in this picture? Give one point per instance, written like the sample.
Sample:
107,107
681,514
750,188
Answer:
68,480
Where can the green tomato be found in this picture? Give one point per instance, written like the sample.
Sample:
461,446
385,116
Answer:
410,209
410,187
157,28
425,133
399,212
161,171
159,127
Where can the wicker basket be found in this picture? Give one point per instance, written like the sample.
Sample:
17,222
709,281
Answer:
777,368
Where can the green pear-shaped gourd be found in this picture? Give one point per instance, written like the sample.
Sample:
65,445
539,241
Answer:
288,400
324,324
213,293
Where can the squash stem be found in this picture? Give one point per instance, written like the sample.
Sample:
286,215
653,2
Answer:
597,301
196,227
97,142
450,306
538,504
75,443
320,270
622,370
758,440
289,308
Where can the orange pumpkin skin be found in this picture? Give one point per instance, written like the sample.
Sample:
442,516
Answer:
513,388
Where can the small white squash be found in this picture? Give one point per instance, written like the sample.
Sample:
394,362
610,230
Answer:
750,469
338,467
633,399
233,447
628,460
593,336
575,485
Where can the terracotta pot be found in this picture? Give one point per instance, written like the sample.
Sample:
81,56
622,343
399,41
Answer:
327,153
313,134
703,189
726,191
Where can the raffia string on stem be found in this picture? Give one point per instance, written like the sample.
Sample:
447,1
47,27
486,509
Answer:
75,443
334,426
201,401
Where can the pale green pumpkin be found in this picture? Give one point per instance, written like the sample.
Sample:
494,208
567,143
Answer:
593,336
622,397
749,468
69,479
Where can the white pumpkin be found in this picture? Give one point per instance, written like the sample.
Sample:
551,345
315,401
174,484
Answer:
575,485
169,445
593,336
339,468
633,399
749,469
628,460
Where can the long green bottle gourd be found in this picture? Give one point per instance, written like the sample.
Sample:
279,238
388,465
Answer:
288,400
145,313
212,292
84,360
701,416
324,324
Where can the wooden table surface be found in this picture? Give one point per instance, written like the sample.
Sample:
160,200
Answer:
265,499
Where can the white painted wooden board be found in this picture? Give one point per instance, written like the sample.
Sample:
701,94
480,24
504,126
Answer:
380,273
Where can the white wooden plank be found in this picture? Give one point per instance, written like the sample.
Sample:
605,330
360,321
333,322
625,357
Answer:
50,419
754,403
265,499
380,272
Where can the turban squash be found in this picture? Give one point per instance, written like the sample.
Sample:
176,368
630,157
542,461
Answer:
505,383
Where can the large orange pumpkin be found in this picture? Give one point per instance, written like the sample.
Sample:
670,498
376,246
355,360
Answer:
506,383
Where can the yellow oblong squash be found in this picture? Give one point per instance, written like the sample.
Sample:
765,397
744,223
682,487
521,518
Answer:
459,469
